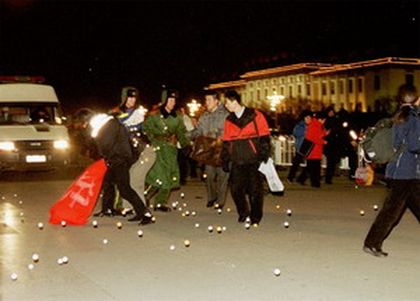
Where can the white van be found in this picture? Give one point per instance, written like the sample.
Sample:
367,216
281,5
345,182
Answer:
32,133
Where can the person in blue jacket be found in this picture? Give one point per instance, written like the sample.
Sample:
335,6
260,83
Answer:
403,173
299,134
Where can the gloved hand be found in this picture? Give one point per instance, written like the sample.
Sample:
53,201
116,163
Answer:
226,166
186,150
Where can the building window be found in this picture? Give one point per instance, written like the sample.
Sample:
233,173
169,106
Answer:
332,88
251,96
308,89
299,89
258,95
341,87
282,90
251,85
291,91
350,86
377,82
258,84
265,93
324,88
274,81
409,79
360,85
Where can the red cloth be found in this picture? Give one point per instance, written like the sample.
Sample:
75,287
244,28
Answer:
315,132
77,204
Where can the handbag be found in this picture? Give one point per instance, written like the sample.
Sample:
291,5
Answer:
306,147
207,150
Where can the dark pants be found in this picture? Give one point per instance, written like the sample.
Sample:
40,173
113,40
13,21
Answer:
332,161
297,159
402,194
313,168
119,176
247,180
216,184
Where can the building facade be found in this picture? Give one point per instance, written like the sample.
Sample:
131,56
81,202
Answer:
367,85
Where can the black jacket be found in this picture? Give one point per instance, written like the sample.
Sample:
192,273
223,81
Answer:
114,145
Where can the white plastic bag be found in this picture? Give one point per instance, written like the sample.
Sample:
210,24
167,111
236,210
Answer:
269,170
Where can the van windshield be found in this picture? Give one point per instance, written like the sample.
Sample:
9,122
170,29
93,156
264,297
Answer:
30,113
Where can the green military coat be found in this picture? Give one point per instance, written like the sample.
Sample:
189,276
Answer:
163,130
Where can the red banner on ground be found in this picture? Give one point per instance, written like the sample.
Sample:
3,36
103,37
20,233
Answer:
77,204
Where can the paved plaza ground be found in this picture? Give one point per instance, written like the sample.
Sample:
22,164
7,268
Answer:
319,256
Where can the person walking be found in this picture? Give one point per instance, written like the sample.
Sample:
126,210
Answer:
403,173
246,143
164,127
315,133
333,149
299,134
211,124
114,146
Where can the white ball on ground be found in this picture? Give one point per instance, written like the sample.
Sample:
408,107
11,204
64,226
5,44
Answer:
219,229
286,224
95,224
187,243
31,266
119,225
182,195
375,207
362,212
63,223
40,226
140,233
13,276
210,228
276,272
197,225
65,259
289,212
247,226
35,257
105,241
171,247
60,261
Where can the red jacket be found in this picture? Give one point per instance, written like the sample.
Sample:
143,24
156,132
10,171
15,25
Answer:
316,132
246,140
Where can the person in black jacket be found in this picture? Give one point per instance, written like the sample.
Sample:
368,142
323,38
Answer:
246,143
113,142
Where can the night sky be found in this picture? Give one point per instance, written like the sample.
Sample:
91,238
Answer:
90,49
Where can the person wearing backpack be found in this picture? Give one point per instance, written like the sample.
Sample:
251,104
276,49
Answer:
403,172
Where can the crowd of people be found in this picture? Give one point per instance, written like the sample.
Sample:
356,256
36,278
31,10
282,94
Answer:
143,154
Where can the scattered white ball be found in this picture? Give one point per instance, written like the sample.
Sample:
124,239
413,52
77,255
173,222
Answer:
228,209
60,261
15,195
187,243
35,257
95,224
184,204
224,228
65,259
362,212
31,266
153,219
204,176
187,213
356,187
286,224
20,202
276,272
13,276
105,241
289,212
375,207
171,247
63,224
119,225
182,195
40,226
219,229
193,213
277,206
219,211
140,233
174,204
247,226
210,229
180,209
21,214
197,225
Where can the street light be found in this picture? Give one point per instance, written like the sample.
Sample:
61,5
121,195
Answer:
275,100
193,107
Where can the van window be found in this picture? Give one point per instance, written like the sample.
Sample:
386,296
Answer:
29,113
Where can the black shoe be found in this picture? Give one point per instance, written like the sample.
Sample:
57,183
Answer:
104,213
162,208
146,220
135,218
375,251
210,204
242,219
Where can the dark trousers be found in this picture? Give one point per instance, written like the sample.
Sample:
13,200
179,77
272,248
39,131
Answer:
403,194
332,161
247,180
119,176
297,159
313,168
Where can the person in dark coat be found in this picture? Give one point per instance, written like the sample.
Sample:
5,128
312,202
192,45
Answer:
332,149
113,142
403,173
246,143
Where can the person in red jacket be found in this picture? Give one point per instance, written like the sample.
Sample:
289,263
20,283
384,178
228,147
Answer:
246,143
315,132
